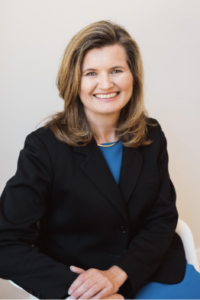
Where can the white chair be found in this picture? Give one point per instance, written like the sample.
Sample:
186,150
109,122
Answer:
188,242
17,286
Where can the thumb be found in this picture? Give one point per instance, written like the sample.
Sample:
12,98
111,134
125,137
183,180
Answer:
76,269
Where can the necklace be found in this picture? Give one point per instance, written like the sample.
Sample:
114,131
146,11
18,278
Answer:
106,146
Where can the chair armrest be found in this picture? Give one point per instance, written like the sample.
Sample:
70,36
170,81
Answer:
185,233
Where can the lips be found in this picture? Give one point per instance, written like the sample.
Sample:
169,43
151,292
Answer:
107,95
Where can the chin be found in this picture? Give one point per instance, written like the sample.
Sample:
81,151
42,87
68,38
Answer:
109,112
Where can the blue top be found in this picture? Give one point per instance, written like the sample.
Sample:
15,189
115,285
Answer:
113,157
189,287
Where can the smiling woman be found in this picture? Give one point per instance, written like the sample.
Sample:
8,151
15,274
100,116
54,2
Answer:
95,178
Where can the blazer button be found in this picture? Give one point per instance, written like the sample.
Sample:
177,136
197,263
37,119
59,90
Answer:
122,229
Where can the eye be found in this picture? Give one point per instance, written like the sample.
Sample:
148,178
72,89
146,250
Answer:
116,71
91,74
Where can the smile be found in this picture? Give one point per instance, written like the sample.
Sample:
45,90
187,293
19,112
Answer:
106,96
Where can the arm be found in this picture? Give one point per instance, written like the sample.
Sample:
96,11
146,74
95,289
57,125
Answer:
146,250
22,204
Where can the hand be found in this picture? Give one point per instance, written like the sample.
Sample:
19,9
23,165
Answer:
97,284
114,296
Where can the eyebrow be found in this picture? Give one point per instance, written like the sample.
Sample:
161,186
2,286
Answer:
91,69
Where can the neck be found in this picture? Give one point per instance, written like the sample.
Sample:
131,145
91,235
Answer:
103,127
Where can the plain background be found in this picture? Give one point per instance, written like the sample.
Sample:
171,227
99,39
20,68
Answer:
33,36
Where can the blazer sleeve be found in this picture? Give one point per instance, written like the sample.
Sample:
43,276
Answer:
148,247
22,204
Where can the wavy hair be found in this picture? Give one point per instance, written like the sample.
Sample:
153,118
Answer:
71,125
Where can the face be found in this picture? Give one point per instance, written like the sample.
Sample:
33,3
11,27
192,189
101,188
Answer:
106,81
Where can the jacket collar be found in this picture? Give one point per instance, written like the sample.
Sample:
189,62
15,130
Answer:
96,169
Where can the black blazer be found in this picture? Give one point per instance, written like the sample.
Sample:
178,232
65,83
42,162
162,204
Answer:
63,207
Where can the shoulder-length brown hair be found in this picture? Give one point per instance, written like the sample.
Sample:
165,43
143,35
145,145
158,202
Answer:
71,125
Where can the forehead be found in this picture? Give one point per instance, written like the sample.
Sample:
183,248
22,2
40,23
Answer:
107,56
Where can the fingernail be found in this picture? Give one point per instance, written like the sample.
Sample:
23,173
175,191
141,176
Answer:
70,292
71,267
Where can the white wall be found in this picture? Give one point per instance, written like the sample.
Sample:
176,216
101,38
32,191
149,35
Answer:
33,35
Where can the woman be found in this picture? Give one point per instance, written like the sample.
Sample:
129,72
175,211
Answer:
91,210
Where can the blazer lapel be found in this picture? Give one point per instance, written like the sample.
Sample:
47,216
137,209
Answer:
132,161
97,170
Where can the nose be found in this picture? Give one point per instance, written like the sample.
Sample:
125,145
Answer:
105,82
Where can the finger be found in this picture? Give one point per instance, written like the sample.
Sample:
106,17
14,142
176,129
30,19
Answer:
96,291
79,281
76,269
104,294
83,288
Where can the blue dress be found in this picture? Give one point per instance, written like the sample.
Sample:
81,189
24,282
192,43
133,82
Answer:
189,287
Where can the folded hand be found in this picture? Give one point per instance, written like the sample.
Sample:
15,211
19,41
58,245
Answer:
95,284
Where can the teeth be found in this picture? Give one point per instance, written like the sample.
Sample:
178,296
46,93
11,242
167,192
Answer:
106,96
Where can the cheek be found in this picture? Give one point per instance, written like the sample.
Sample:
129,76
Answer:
126,84
86,87
128,90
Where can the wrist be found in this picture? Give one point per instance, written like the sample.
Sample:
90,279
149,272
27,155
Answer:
120,274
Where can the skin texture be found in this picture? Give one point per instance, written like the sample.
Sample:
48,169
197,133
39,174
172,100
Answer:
104,71
97,284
